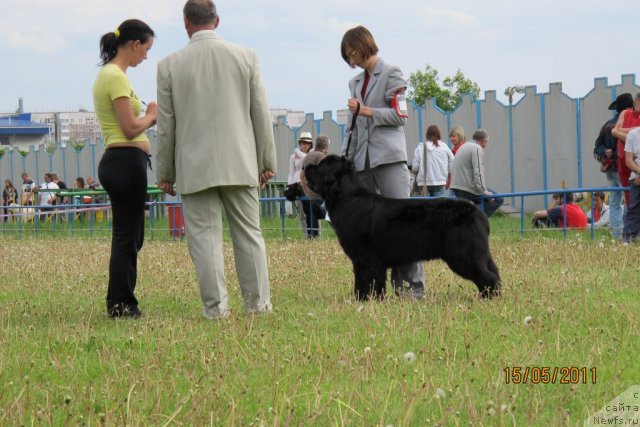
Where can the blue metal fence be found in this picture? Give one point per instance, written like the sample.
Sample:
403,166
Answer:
78,218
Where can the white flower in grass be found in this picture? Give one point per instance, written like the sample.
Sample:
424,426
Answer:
367,350
528,320
409,357
601,245
440,393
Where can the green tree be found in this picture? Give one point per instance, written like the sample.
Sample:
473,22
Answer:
448,94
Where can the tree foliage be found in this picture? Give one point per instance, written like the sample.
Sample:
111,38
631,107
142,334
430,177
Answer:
448,93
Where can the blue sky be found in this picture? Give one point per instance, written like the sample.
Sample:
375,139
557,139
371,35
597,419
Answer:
49,48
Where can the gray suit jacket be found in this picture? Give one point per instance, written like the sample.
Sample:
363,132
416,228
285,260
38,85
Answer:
214,124
381,136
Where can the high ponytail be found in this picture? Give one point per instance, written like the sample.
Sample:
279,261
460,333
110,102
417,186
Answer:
129,30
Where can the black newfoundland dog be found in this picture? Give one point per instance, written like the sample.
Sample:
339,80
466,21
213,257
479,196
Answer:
378,233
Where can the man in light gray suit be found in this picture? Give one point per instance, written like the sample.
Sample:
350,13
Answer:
215,142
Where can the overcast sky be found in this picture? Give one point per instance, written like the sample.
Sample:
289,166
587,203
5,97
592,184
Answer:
49,48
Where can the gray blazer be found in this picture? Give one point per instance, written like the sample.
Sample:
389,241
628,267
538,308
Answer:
214,125
382,136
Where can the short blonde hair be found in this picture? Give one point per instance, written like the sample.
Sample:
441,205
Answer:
459,132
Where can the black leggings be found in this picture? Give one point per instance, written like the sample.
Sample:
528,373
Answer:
123,174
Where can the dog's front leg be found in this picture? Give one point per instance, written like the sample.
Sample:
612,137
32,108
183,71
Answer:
379,281
363,280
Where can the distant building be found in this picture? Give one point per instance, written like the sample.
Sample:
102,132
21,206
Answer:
20,131
293,119
71,126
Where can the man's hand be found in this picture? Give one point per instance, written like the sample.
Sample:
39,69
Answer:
265,176
167,187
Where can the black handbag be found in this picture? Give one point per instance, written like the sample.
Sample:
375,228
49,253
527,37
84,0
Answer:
293,191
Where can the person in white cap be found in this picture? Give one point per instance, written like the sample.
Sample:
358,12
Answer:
295,166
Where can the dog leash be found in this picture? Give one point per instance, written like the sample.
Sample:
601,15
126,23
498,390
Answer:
353,125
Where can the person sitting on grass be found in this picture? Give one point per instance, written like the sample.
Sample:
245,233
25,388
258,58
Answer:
555,216
599,216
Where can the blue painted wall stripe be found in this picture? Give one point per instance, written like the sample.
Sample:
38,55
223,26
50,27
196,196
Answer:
543,122
511,161
579,140
419,109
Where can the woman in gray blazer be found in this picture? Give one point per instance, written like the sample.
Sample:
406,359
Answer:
378,148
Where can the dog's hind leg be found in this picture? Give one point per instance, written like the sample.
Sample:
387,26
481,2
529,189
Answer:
477,271
495,291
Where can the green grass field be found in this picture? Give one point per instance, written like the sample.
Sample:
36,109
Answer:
320,358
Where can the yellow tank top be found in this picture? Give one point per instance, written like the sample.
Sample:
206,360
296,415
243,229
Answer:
110,84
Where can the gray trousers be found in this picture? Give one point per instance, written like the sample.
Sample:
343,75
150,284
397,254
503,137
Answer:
393,180
203,220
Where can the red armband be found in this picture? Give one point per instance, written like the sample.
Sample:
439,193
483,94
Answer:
399,103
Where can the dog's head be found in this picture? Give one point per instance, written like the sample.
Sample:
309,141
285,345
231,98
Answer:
331,177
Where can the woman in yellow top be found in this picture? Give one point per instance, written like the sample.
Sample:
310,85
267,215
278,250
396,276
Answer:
123,168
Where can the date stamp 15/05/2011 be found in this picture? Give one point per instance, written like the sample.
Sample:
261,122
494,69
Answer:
550,375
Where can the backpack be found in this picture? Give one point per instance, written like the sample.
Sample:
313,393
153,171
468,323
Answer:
604,141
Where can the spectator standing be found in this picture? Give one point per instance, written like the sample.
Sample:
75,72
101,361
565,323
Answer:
632,158
378,148
468,181
48,198
215,141
555,216
599,215
9,198
295,166
627,121
606,152
27,190
61,185
439,164
314,212
123,167
457,138
60,200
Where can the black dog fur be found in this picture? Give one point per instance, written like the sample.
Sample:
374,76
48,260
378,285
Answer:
378,233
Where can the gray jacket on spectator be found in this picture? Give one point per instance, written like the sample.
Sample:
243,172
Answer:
468,169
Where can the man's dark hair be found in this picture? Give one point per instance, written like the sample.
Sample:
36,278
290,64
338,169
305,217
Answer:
600,195
200,12
561,196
